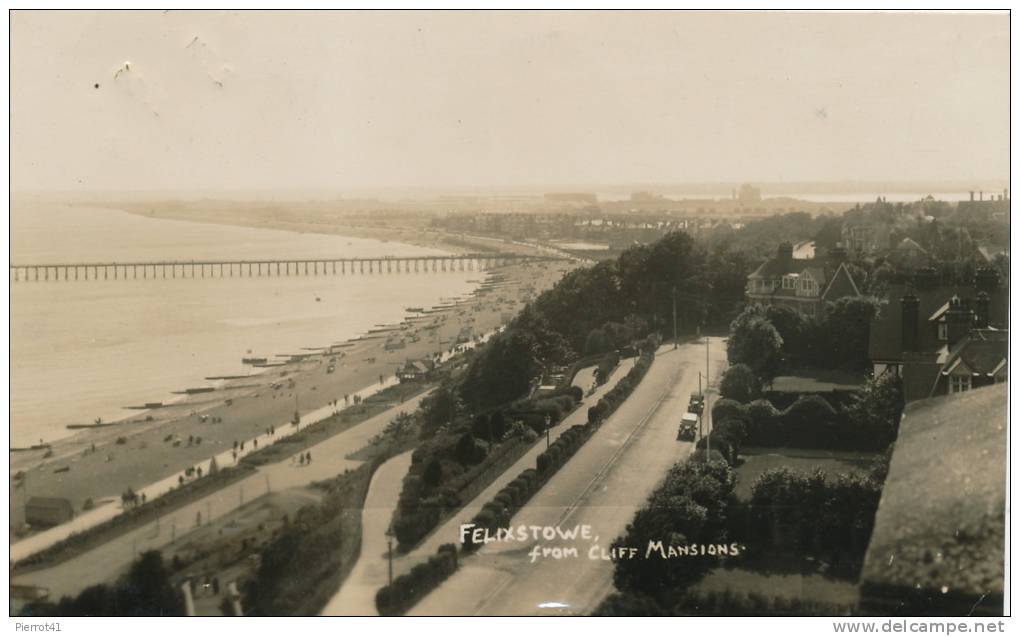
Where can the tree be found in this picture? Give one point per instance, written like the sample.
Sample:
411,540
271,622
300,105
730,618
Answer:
465,450
691,506
502,371
480,428
433,475
875,412
847,326
498,424
739,383
596,342
147,591
439,409
757,344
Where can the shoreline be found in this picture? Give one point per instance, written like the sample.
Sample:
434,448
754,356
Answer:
136,449
176,398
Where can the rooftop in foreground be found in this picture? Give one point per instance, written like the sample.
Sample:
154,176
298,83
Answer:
938,543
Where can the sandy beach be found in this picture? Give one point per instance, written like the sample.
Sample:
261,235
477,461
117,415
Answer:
100,463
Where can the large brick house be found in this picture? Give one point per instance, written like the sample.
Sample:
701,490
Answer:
803,284
942,339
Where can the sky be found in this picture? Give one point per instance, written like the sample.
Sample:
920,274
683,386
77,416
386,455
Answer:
179,101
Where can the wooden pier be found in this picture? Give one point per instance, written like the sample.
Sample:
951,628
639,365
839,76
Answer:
161,270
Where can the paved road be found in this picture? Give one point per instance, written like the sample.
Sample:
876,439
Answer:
105,562
603,485
359,603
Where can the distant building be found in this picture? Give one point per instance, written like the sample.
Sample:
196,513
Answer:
937,548
416,370
802,284
749,195
942,339
908,254
48,511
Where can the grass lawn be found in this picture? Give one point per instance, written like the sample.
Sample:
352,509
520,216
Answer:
806,585
755,461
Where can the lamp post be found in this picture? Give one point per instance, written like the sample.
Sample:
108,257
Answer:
674,318
548,420
389,554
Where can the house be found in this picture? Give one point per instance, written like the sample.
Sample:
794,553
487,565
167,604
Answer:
416,370
942,339
937,548
48,511
909,255
802,284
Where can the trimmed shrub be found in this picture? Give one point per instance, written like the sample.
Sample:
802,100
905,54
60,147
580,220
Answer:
406,590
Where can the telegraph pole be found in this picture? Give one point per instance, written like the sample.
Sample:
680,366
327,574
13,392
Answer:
674,318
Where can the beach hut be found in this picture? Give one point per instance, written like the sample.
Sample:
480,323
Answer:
48,511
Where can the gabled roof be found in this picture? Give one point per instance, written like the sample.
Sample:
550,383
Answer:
942,552
910,244
841,285
885,342
775,267
817,273
982,352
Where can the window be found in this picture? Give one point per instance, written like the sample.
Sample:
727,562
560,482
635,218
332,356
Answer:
943,333
959,383
789,282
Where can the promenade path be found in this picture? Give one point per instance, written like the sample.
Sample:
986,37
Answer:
357,595
106,561
602,486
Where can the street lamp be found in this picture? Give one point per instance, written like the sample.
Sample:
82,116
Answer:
389,553
548,420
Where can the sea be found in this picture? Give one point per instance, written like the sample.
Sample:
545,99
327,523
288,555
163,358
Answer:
82,350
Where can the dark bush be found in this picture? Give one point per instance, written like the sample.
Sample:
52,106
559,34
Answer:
433,475
465,452
406,590
480,428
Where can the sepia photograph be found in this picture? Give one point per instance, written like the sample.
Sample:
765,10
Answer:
497,313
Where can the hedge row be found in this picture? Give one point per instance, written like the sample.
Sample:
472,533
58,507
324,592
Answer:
498,512
615,397
406,590
810,422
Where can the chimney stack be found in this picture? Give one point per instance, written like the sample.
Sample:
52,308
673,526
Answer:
959,320
986,279
785,252
982,306
925,278
909,309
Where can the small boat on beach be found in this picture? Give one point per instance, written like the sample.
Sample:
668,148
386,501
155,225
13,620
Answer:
253,361
147,405
75,427
200,389
414,310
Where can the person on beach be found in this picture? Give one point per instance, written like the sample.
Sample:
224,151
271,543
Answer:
256,443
